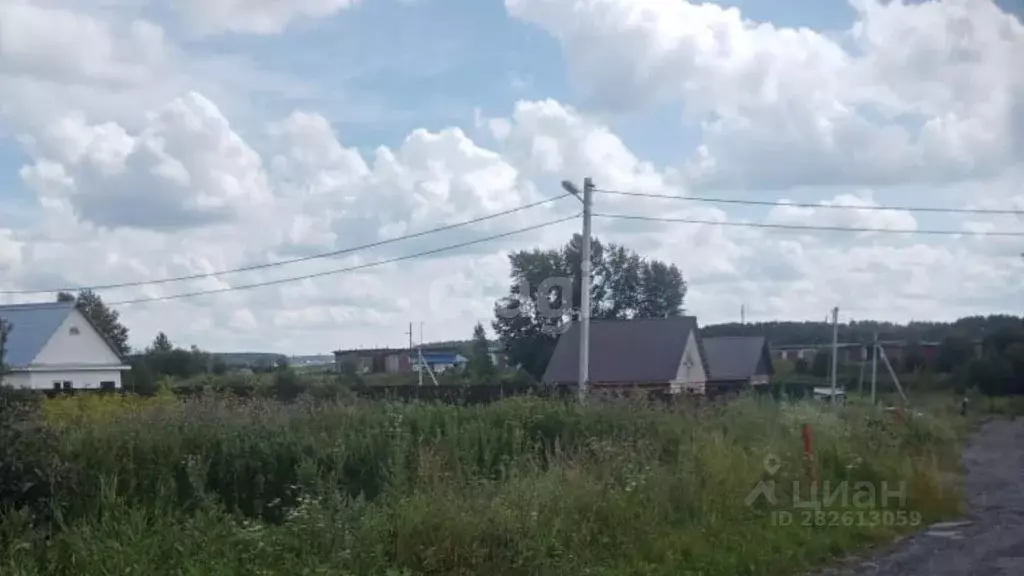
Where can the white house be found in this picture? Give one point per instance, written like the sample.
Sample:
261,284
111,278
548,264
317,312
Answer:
53,346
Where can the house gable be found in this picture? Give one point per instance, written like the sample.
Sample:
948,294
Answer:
765,366
76,343
691,374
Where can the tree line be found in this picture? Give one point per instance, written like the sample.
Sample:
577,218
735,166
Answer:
863,331
627,285
624,285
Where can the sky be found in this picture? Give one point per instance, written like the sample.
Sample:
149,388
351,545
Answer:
144,140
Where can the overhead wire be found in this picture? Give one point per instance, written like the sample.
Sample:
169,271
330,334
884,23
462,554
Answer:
343,270
810,228
333,253
695,221
741,201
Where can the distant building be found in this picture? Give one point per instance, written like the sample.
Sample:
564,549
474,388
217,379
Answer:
848,351
373,360
855,352
437,362
499,357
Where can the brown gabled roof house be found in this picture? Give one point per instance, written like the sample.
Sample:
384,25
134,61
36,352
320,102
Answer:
660,353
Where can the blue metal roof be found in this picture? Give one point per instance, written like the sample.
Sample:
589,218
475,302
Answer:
32,326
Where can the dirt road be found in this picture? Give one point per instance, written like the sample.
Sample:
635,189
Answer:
990,540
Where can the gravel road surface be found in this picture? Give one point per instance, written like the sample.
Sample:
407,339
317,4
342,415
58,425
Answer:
990,540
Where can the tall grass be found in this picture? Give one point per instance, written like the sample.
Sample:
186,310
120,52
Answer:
524,486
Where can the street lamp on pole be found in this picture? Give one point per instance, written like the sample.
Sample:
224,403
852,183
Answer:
586,197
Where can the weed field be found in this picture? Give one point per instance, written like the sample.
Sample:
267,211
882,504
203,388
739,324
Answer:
120,485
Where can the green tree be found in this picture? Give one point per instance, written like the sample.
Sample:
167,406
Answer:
106,319
801,366
624,285
5,331
219,366
286,385
161,343
914,359
481,368
821,366
954,351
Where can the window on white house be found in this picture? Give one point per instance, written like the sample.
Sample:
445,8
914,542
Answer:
56,384
107,385
68,385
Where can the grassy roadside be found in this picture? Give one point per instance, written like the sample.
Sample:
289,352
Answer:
519,487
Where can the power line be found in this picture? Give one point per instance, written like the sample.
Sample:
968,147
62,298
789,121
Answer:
291,261
343,270
808,228
931,209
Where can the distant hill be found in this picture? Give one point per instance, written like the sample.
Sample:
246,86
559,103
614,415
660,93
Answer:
248,358
786,333
312,360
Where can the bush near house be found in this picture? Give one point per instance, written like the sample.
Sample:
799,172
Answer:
522,486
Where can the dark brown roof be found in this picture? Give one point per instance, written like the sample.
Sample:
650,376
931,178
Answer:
736,357
639,351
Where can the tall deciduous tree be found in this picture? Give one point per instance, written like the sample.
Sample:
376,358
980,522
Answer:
162,343
480,365
625,285
106,319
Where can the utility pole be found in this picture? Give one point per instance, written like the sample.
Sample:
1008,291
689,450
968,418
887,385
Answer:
419,354
743,313
587,198
895,379
835,350
874,368
863,365
412,349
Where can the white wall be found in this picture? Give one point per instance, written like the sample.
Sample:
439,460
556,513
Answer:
80,379
86,348
690,378
18,380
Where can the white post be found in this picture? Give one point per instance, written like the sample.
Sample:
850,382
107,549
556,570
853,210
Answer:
586,197
423,366
588,193
863,365
892,373
874,368
835,350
